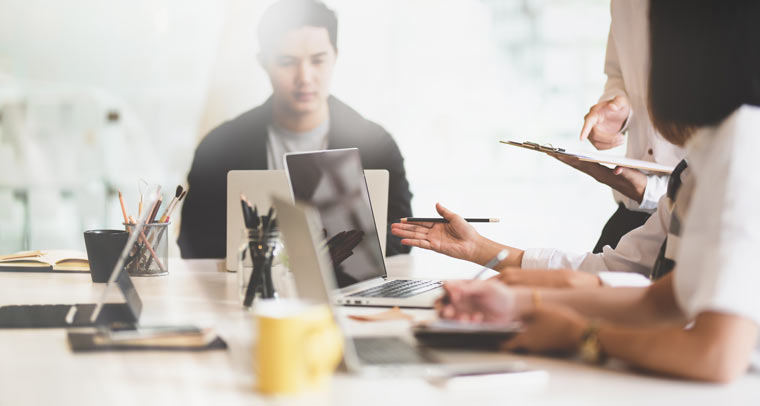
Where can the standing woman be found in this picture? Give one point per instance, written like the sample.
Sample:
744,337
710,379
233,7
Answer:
621,116
701,320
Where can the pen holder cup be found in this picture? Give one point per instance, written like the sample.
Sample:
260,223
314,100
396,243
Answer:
255,256
150,255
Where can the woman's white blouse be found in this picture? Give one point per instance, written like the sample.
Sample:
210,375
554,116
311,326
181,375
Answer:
717,266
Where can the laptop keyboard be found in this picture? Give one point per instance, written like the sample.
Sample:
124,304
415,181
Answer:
387,350
399,288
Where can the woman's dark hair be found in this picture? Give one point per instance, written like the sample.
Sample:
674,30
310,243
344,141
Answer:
287,15
705,62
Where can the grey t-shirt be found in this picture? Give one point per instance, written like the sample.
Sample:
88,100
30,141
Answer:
282,141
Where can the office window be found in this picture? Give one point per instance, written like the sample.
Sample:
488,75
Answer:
448,78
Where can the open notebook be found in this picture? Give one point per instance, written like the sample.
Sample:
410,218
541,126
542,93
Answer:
45,261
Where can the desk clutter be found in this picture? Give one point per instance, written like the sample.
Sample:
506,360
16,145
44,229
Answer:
159,338
150,257
260,245
298,342
45,261
113,326
395,313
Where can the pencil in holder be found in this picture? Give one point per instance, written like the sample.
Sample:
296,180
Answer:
255,258
150,256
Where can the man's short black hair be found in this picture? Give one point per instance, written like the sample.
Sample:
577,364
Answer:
287,15
705,62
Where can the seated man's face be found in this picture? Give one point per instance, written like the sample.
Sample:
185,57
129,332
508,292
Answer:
300,69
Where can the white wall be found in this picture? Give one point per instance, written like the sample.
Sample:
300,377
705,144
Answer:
448,78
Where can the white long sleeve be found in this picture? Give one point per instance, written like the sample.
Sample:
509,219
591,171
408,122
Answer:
627,69
615,84
635,253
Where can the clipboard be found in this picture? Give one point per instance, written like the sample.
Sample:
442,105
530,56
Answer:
596,158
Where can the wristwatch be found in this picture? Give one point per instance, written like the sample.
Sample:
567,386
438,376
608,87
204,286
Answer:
590,349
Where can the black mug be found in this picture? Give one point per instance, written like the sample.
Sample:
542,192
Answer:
103,250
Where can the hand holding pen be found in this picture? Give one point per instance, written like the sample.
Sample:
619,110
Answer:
478,301
455,237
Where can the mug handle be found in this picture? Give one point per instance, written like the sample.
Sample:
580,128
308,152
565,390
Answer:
324,351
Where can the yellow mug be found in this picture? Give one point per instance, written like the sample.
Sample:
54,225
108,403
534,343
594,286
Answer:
299,346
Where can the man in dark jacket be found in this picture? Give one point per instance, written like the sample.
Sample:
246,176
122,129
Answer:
298,51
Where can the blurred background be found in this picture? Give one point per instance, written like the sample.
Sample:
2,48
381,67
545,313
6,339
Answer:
95,96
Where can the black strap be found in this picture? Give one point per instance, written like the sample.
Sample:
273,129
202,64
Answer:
663,266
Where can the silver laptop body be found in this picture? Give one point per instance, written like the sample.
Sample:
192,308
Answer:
333,182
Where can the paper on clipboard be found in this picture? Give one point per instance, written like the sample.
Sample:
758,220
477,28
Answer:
593,157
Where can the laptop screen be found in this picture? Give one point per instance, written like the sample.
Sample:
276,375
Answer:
119,276
333,182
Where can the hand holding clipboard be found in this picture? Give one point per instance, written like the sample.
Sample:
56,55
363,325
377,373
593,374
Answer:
626,177
594,157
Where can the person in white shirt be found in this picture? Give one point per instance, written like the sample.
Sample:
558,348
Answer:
623,108
700,321
639,248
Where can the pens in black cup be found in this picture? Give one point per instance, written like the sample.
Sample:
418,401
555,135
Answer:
443,220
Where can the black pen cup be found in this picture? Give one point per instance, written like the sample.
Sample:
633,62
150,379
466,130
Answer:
103,250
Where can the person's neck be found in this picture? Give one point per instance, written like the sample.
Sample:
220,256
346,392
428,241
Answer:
299,122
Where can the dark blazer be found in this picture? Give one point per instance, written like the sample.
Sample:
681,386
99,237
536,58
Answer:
241,144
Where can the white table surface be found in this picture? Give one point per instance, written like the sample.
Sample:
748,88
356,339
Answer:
37,367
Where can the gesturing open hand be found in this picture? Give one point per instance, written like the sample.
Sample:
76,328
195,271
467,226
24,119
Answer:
457,238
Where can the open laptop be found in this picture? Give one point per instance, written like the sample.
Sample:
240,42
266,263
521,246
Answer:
333,182
259,186
115,315
315,281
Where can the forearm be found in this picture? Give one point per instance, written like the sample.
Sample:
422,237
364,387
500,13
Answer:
625,305
652,349
636,305
631,182
487,249
709,352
